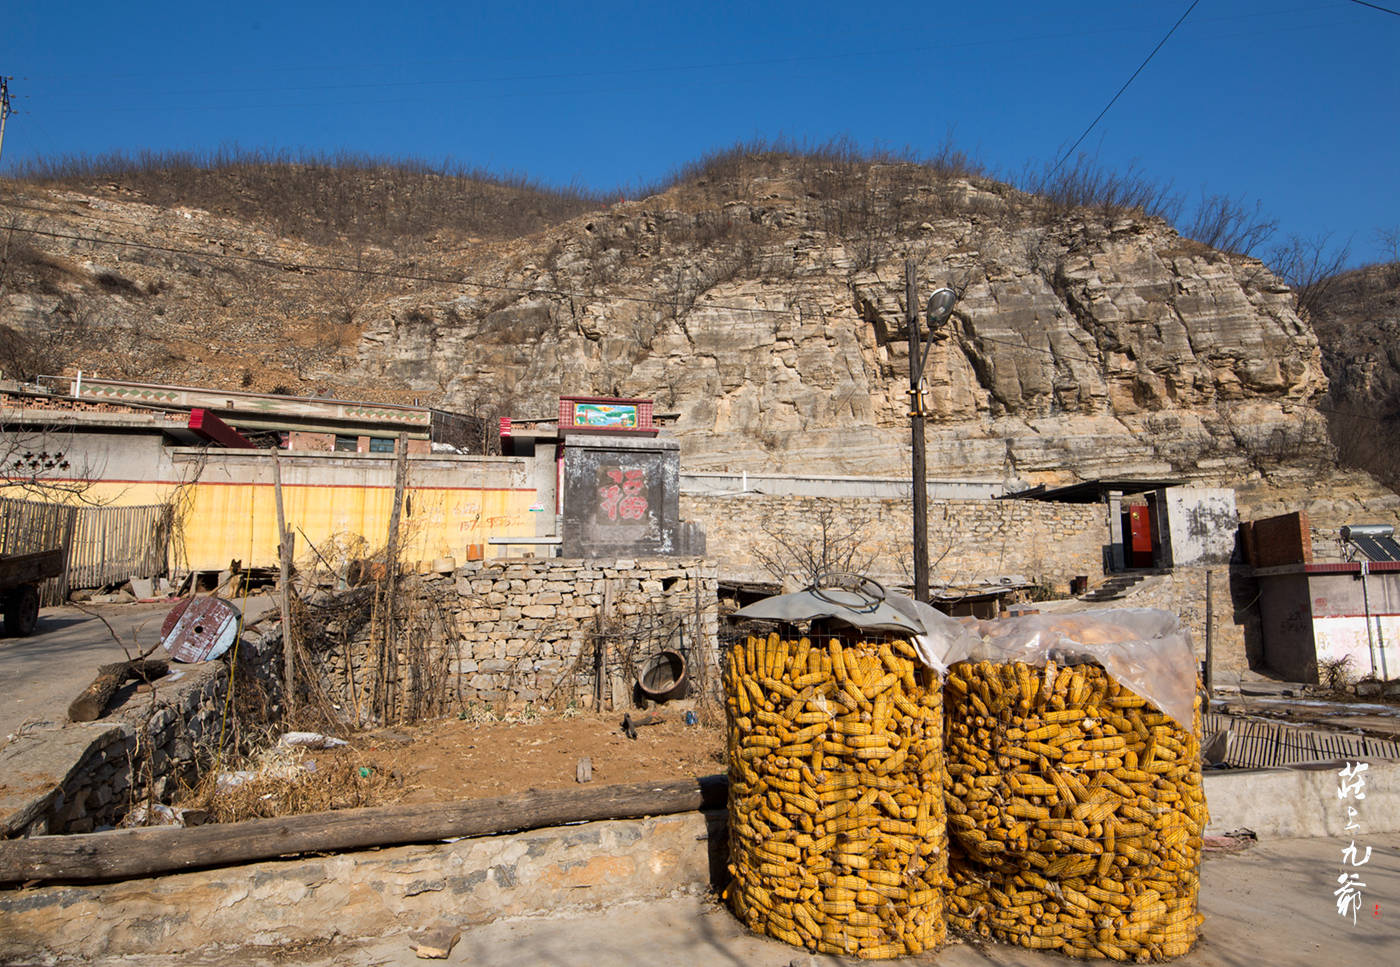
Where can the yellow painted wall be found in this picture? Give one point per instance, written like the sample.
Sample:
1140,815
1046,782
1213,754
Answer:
228,522
223,522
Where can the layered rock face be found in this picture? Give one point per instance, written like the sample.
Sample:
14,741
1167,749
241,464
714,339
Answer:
765,308
1076,349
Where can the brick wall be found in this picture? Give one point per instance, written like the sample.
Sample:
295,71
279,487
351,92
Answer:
968,539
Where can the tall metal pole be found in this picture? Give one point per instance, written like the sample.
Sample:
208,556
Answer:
916,417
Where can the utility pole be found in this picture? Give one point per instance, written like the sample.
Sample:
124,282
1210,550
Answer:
916,418
940,307
4,110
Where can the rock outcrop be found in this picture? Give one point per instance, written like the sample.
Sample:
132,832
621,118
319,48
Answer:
762,304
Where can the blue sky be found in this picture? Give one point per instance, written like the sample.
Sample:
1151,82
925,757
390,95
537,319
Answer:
1295,104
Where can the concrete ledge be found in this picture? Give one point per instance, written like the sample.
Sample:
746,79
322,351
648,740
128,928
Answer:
1302,800
377,893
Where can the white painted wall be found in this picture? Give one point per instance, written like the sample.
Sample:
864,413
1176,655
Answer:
1202,522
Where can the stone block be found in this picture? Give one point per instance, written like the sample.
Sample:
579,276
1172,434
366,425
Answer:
538,611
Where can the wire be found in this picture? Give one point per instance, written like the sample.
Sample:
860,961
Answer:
1115,97
1363,3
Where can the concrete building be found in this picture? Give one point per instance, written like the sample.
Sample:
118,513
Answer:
1317,614
1155,524
140,445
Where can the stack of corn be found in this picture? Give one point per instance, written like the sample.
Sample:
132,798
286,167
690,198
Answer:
1075,810
836,823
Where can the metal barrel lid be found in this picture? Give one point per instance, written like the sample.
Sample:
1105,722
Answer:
199,629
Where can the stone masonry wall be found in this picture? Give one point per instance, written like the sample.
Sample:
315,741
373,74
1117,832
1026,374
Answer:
150,745
968,539
528,630
1234,594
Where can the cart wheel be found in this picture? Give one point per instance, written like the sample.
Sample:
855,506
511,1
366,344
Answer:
22,611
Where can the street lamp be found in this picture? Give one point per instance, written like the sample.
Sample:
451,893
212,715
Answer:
940,307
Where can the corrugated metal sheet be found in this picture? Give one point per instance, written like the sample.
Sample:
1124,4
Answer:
1262,744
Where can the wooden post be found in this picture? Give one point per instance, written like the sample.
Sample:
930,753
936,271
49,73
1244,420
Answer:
284,556
600,655
1210,640
391,579
126,853
916,418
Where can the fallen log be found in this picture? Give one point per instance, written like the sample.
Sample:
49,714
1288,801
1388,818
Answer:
126,853
92,702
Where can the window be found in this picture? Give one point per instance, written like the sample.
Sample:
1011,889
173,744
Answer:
381,444
346,444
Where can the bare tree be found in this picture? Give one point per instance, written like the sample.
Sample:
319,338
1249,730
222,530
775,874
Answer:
1230,225
832,542
1310,267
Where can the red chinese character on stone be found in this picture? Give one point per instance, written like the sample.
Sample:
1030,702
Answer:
634,505
608,500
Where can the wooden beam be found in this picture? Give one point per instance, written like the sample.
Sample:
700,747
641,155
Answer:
90,705
17,569
125,853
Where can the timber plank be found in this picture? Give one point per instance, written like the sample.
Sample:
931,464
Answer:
126,853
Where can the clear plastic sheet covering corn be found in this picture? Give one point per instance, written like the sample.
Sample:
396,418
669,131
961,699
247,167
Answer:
1075,805
837,833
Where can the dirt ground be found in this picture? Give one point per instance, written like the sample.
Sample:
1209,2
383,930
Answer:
454,759
458,759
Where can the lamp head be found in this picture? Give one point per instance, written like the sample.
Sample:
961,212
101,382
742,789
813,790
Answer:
940,306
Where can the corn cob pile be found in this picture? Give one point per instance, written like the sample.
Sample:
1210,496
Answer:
1075,811
836,823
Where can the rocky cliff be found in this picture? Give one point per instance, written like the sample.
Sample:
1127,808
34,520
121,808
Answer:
1357,318
760,299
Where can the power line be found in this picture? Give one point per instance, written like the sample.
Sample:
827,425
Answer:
1080,139
1363,3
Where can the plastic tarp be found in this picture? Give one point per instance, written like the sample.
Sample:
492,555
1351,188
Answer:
1147,650
938,639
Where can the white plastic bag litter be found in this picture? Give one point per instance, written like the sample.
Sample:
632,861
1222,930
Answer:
310,740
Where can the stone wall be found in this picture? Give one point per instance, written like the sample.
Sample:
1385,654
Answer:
968,539
371,893
528,630
155,741
1234,595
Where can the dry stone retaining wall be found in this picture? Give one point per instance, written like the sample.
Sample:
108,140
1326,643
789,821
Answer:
527,630
968,539
143,751
527,626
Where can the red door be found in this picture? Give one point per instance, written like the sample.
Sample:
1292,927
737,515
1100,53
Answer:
1139,537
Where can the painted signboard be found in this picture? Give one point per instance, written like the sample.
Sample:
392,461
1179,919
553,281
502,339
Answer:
622,416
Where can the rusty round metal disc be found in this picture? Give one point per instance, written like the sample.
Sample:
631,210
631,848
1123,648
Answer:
199,629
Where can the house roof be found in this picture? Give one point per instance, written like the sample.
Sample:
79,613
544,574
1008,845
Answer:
1091,491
